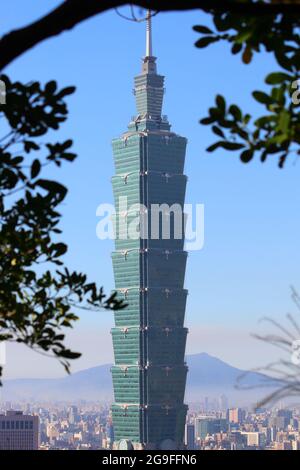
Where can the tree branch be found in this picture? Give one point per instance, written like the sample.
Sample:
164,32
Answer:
72,12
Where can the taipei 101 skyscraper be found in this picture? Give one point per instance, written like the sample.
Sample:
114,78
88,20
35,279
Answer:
149,338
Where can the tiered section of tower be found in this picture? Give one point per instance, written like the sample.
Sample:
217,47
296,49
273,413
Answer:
149,338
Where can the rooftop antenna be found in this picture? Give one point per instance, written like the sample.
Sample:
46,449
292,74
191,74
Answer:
148,34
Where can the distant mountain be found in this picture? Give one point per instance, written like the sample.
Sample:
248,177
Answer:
88,384
212,377
207,376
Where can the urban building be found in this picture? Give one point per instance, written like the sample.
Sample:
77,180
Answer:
19,431
255,439
209,426
189,438
223,402
73,416
235,415
149,338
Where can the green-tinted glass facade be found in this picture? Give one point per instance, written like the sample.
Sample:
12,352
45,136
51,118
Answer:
149,338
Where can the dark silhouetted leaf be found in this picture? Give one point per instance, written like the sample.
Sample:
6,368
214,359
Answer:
236,112
246,156
35,168
202,29
262,97
218,131
204,42
278,77
30,145
247,55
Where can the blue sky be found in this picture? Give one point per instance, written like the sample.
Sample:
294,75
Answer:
251,252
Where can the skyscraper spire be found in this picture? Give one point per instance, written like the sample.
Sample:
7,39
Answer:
148,35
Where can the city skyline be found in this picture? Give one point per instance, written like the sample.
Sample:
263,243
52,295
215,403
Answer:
88,426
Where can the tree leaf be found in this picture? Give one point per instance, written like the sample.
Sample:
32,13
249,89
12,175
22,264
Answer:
213,147
232,145
264,120
202,29
60,249
247,55
52,187
207,120
226,145
221,103
218,131
236,112
204,42
246,156
282,160
66,91
262,97
51,87
35,168
236,48
277,77
30,145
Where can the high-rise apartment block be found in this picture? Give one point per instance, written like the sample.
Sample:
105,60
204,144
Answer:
235,415
19,431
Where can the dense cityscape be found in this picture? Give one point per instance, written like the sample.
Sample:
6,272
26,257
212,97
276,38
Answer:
88,426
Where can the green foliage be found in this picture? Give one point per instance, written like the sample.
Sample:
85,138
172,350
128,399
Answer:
276,33
277,131
37,300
